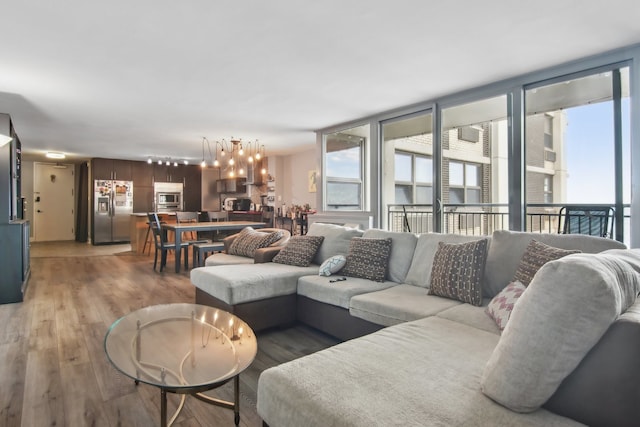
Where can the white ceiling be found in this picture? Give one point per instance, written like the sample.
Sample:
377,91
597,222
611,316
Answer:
132,79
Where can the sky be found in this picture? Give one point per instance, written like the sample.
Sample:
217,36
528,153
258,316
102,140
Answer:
589,153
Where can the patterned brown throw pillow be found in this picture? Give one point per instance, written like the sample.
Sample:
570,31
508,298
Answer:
535,256
248,240
299,251
457,271
368,258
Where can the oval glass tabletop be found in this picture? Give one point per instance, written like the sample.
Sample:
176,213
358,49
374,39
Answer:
180,346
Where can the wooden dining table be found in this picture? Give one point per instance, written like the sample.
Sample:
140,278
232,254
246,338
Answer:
178,229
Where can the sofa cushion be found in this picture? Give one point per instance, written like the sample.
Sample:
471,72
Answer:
398,304
235,284
419,273
299,251
338,293
248,240
457,271
564,312
368,258
501,306
336,239
535,256
403,247
332,265
414,374
471,315
507,248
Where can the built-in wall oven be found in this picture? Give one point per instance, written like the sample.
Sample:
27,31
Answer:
168,197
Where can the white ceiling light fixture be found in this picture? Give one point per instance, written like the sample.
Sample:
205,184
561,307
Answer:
55,155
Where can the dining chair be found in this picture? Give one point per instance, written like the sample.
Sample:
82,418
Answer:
162,245
186,217
202,250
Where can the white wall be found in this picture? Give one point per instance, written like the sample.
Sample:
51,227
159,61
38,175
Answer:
294,183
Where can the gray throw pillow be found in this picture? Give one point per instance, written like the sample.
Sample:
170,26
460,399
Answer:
457,271
368,258
248,240
535,256
299,251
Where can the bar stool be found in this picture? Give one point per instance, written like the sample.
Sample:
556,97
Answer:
147,236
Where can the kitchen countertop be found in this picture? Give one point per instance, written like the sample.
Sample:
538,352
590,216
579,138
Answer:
144,214
247,212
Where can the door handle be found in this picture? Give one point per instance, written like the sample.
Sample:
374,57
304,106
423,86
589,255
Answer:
39,211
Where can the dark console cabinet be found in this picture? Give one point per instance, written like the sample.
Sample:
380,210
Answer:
14,260
14,232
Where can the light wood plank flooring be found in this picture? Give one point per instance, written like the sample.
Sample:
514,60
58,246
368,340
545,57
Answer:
53,368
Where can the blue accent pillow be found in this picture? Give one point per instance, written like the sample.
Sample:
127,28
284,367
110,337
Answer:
332,265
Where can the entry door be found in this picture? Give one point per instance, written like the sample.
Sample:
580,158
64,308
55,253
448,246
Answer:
53,202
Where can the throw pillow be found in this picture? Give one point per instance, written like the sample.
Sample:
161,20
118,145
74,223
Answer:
500,307
299,251
248,240
332,265
457,271
368,258
535,256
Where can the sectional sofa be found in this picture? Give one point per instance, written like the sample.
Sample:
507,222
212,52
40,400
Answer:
568,354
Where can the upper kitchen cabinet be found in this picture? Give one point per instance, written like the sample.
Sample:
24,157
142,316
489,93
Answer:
111,169
170,173
142,174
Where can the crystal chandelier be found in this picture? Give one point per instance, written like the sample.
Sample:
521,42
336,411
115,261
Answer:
234,156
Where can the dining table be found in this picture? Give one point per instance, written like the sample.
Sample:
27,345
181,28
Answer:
180,228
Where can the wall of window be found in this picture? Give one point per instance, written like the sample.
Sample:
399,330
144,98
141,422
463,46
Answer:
506,147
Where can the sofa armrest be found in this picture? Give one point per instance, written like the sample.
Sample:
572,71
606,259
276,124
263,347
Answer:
267,254
227,242
604,389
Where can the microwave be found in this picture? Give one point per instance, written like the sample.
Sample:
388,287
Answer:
166,201
168,198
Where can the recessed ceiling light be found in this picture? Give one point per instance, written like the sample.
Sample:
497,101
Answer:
55,155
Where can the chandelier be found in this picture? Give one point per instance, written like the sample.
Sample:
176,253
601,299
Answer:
234,157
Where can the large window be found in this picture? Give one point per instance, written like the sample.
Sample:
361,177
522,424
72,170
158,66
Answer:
407,175
474,173
570,145
344,159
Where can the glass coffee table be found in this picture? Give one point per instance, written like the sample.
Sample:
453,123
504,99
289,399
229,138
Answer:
184,349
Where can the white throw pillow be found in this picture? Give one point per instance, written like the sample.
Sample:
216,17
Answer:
332,265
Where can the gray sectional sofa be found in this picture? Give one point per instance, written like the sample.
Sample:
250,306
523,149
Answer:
568,355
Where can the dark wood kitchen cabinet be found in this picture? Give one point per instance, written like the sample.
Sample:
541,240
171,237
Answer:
142,174
192,188
111,169
170,173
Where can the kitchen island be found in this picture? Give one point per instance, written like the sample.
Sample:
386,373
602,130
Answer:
139,230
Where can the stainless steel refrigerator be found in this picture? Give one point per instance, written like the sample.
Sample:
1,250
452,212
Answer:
113,206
